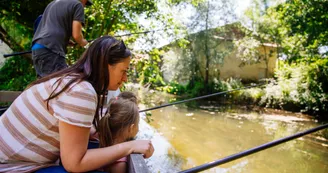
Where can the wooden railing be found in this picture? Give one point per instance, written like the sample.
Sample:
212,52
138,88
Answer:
137,164
9,96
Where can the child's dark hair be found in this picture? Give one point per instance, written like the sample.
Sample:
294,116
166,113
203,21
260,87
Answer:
122,113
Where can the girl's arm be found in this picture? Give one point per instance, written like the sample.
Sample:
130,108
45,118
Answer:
77,158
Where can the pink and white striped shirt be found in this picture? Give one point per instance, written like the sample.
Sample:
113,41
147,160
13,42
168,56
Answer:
29,135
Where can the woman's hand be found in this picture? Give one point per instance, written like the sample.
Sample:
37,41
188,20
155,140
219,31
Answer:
144,147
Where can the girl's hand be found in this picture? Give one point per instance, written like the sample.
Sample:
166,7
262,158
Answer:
144,147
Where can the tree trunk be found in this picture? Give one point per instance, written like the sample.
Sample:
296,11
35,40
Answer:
206,49
266,59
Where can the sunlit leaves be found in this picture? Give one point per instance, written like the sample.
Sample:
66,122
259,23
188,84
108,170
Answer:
299,87
148,68
306,23
248,50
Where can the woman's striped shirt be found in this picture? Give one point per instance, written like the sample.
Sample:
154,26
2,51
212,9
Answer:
29,135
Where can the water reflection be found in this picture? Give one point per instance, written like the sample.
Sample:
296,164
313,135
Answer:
164,158
209,133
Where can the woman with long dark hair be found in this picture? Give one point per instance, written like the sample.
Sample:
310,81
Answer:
53,117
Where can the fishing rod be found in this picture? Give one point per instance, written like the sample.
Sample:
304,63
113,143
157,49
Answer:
200,97
29,51
26,52
137,33
16,53
252,150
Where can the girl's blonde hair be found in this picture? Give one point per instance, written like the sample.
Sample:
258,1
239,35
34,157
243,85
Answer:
121,114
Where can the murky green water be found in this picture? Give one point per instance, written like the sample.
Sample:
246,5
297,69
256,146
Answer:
210,133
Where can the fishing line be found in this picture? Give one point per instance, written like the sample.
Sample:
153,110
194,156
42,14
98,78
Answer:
200,97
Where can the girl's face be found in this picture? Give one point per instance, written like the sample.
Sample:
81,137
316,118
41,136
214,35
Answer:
131,133
135,128
118,74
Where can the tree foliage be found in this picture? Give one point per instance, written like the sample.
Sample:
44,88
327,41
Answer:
298,27
147,69
16,74
201,48
23,11
299,87
306,25
114,17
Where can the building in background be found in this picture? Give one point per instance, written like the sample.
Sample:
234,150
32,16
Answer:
180,63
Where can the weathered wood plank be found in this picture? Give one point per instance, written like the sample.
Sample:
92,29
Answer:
137,164
9,96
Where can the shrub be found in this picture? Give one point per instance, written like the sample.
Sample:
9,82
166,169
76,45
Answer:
174,88
299,87
16,74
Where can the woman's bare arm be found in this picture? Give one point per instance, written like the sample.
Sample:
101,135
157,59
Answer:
77,158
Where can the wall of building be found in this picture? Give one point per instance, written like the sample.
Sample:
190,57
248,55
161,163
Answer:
264,69
224,67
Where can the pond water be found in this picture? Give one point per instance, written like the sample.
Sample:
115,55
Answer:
190,137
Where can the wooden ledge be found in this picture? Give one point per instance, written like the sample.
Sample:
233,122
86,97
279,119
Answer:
9,96
137,164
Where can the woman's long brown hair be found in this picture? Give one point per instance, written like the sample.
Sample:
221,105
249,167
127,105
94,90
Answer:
91,67
121,114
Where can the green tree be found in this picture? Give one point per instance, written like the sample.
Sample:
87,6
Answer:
17,18
203,40
205,20
262,28
147,68
299,29
114,17
306,24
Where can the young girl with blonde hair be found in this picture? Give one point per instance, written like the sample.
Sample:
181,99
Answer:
119,124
